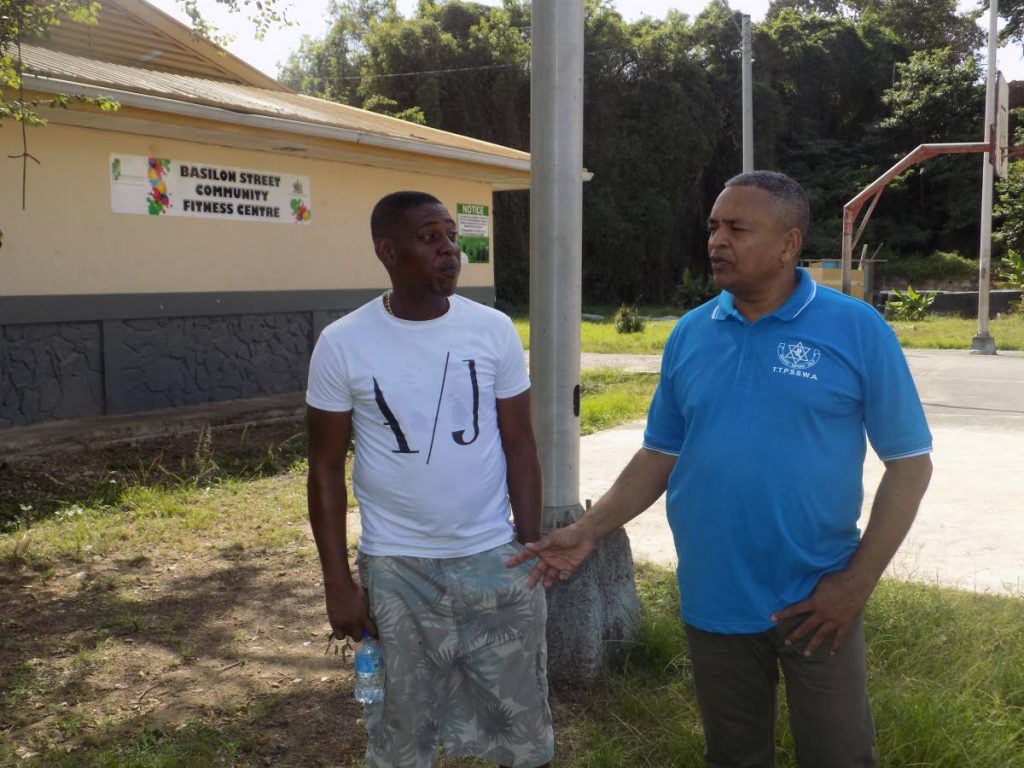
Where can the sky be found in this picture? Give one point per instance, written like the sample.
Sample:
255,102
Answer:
310,17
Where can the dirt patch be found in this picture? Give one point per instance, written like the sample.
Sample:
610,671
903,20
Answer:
204,651
34,485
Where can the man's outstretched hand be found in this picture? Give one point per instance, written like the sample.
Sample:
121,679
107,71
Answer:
558,554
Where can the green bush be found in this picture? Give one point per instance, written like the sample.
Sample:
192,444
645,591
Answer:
1011,274
941,265
1012,271
628,320
693,290
909,304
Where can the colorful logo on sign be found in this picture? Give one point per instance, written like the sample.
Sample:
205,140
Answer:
299,210
158,198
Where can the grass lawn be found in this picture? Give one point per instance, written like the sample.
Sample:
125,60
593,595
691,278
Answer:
935,332
602,337
611,397
182,625
946,676
944,332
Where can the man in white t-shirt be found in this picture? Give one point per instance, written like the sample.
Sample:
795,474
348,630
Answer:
435,391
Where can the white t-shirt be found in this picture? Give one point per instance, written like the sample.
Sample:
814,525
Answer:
429,471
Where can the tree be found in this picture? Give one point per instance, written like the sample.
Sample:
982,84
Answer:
22,21
662,116
922,24
914,24
643,210
264,15
936,97
1009,210
856,100
330,68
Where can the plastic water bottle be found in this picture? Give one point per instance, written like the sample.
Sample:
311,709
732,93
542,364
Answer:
369,671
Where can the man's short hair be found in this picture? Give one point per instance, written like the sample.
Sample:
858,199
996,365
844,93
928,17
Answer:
787,192
390,208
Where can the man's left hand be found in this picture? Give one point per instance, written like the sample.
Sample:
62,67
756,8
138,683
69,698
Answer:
832,608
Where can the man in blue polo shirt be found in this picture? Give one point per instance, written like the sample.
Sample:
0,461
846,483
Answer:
758,431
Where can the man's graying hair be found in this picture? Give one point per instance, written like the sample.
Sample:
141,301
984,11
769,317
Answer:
788,193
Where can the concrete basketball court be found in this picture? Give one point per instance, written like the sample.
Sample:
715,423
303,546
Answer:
969,533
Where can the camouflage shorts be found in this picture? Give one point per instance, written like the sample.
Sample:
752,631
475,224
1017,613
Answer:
465,661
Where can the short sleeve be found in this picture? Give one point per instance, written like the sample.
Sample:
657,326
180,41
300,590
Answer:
328,387
666,424
893,416
512,378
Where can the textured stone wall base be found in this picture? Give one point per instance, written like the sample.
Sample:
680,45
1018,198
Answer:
75,370
75,357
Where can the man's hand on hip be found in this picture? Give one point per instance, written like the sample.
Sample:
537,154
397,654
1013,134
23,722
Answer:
832,608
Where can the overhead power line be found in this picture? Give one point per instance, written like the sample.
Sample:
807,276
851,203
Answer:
424,72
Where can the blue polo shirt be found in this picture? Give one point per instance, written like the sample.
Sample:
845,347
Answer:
769,422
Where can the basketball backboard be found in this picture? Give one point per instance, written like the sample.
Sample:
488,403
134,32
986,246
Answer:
1001,155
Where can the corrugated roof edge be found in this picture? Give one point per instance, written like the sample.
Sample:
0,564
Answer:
203,48
236,97
220,114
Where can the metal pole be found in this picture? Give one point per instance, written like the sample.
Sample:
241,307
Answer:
748,100
983,343
556,249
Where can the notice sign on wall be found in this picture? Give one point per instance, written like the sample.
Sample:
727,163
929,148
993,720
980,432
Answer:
157,186
474,232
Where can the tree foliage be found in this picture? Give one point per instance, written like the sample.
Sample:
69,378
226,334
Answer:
841,90
1009,209
23,21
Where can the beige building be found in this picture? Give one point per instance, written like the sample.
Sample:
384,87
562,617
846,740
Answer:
190,246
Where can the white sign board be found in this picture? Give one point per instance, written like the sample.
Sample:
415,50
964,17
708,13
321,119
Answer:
156,186
474,232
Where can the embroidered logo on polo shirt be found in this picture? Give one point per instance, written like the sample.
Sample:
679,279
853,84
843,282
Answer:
797,360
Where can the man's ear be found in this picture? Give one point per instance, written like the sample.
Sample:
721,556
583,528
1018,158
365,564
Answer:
792,242
384,247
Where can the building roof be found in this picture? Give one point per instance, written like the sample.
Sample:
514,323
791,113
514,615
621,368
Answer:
135,33
150,63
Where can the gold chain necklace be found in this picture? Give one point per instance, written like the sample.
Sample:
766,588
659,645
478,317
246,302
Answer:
387,303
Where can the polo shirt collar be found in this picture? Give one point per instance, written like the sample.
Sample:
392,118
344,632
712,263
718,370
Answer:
802,296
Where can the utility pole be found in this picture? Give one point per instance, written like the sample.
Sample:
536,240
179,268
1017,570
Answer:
748,99
556,249
983,343
593,616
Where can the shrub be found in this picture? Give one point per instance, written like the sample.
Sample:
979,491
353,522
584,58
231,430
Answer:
941,265
628,320
692,290
909,304
1012,271
1011,274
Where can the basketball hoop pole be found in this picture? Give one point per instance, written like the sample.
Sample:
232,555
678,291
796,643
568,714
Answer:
983,343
